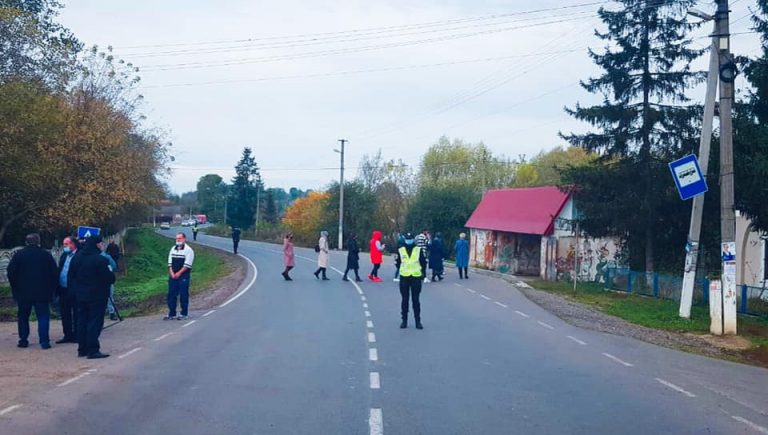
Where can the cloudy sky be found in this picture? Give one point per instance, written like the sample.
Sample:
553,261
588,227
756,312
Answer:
289,78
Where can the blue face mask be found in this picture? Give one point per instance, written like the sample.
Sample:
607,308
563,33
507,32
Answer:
67,250
409,242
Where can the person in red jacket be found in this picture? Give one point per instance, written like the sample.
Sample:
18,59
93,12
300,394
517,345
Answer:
377,249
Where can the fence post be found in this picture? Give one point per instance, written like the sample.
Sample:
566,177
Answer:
656,284
743,308
606,277
629,282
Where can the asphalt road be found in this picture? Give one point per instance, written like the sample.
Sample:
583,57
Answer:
314,357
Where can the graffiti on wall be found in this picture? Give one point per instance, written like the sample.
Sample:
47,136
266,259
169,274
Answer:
594,257
505,252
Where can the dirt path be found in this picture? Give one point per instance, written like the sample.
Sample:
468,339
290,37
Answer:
25,371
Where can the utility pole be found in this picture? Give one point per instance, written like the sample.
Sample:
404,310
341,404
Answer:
694,231
727,213
258,206
341,196
226,198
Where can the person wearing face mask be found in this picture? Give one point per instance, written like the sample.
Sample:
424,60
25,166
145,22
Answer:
411,261
67,302
180,261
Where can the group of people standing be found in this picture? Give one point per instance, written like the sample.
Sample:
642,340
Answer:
412,256
82,281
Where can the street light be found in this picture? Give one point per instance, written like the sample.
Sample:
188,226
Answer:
341,195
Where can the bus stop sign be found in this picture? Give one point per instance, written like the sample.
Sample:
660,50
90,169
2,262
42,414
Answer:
688,177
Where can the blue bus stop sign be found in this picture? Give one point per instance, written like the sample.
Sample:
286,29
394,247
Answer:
85,232
688,177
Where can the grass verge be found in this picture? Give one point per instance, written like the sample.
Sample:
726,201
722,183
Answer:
657,313
143,287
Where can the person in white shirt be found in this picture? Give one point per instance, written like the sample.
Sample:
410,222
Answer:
180,261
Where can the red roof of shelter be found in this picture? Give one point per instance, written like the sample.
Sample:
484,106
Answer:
526,210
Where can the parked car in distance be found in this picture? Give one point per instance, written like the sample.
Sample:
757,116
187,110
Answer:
165,226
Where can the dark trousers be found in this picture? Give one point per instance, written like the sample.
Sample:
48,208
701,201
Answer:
178,289
235,243
43,321
68,307
463,272
194,235
347,271
287,269
375,271
90,321
410,287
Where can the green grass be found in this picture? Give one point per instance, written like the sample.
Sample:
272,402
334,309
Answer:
143,288
7,306
659,313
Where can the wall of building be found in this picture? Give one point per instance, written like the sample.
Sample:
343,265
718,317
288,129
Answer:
505,252
750,254
593,255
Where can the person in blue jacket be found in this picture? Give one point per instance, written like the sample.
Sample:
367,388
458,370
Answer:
462,256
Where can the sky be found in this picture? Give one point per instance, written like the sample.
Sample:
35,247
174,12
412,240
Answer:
290,78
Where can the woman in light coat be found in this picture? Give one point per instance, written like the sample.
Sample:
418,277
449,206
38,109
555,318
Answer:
322,255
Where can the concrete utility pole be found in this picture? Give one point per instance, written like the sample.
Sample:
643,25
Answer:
341,196
694,231
258,206
727,75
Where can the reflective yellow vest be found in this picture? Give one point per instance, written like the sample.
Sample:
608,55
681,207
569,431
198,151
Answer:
410,266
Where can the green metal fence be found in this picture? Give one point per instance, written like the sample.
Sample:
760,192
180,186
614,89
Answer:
750,300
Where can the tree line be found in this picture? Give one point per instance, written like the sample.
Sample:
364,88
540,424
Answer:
74,147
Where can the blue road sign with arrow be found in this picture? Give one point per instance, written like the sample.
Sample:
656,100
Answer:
85,232
688,177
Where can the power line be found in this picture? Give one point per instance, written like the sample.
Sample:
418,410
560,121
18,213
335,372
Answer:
348,50
370,29
363,71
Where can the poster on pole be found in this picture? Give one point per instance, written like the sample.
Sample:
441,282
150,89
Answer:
688,177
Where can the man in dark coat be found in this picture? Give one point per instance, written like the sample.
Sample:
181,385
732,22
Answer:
91,276
67,303
235,238
436,255
32,275
353,258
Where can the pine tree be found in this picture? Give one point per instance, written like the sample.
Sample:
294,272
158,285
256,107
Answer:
644,121
243,193
751,132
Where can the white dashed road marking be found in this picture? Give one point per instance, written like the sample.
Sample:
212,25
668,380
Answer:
522,313
577,340
367,313
362,298
365,305
485,297
371,337
546,325
10,409
500,304
76,378
375,381
754,426
376,422
471,291
624,363
132,351
368,324
163,336
188,323
373,354
209,313
675,387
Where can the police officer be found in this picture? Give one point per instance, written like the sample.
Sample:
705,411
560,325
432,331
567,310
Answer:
194,231
91,276
411,261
